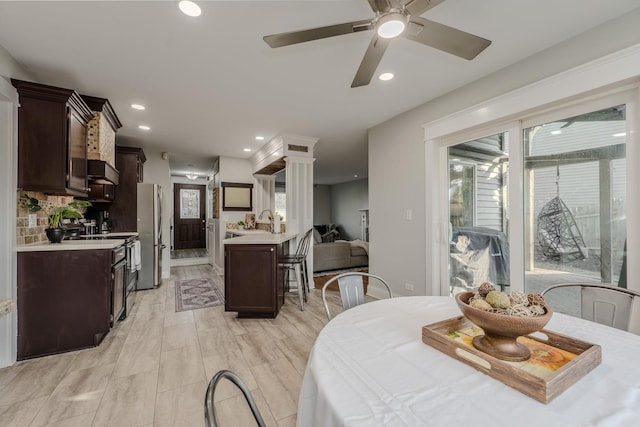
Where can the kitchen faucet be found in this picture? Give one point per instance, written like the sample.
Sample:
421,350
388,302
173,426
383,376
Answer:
270,218
270,214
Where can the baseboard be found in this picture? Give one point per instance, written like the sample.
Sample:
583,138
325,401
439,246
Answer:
189,261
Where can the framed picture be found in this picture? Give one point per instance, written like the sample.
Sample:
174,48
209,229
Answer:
237,196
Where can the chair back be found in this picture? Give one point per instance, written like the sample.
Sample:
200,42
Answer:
351,287
602,303
209,400
303,245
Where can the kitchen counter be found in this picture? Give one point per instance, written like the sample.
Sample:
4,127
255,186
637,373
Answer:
258,237
71,245
254,274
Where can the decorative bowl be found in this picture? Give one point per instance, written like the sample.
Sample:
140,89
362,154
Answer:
501,330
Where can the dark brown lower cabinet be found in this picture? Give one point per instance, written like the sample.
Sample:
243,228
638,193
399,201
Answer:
253,280
64,300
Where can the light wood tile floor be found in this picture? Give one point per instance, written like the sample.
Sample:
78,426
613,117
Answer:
153,368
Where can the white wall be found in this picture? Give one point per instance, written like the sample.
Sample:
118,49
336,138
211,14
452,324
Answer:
397,152
241,171
346,200
9,68
156,171
321,204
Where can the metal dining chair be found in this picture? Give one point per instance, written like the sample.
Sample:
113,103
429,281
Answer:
209,400
351,287
601,303
297,263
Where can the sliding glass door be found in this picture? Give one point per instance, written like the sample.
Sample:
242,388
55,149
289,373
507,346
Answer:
546,206
478,244
575,200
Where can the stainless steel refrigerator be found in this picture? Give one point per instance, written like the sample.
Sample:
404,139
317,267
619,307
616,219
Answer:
150,231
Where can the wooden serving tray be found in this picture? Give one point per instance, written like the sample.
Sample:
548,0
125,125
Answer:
556,362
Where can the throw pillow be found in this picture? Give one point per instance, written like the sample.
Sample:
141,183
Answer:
316,236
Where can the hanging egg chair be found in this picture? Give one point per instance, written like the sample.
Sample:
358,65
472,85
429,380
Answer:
558,234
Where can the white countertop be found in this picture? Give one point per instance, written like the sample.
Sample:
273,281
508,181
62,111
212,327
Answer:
259,237
71,245
118,234
242,232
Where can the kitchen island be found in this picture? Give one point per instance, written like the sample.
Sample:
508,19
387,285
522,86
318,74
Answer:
253,276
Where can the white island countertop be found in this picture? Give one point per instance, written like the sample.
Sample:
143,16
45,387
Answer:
71,245
259,238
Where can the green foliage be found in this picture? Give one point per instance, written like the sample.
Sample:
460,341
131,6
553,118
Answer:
58,213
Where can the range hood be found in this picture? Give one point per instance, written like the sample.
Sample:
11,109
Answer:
101,172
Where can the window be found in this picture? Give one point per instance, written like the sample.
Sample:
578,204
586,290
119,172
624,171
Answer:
281,202
461,194
478,245
575,197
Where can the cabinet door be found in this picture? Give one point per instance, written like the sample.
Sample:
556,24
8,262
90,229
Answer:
251,279
77,163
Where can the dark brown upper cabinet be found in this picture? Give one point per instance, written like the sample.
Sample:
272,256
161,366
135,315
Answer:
52,139
124,209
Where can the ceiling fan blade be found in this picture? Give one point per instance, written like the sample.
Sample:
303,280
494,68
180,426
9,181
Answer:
370,61
418,7
295,37
385,5
445,38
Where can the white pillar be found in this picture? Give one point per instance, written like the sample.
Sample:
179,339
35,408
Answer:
265,191
8,185
299,181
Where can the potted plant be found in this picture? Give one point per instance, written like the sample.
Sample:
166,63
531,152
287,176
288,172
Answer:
55,232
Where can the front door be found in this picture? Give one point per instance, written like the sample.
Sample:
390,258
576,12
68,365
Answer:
189,216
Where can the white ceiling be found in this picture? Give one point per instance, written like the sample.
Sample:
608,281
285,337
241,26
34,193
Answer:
211,84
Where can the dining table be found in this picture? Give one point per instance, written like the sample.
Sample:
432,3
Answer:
370,367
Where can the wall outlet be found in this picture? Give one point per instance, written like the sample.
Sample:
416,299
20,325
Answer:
33,220
408,286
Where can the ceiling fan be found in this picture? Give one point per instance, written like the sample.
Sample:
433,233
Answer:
392,19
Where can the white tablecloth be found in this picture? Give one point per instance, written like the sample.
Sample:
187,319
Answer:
369,367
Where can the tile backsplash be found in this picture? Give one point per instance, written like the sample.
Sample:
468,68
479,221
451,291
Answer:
25,234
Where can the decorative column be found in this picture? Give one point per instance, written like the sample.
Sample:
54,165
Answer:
265,191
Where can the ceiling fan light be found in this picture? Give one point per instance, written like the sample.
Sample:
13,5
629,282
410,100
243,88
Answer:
189,8
391,25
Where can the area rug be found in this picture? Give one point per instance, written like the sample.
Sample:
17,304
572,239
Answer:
193,294
322,277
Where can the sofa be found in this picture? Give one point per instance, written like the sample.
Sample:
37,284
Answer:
338,254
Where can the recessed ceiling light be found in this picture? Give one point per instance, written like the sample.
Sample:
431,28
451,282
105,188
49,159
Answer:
191,176
138,107
617,135
355,176
259,138
385,76
247,149
189,8
556,132
144,127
